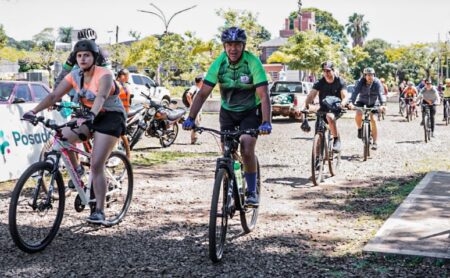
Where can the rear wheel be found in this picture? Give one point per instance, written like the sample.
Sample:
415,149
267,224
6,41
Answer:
317,159
119,178
334,159
366,140
249,216
34,214
218,216
169,135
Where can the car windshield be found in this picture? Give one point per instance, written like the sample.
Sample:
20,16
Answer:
6,91
288,87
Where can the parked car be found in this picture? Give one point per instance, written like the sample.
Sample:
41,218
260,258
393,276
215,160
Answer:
142,83
350,90
22,91
286,97
307,86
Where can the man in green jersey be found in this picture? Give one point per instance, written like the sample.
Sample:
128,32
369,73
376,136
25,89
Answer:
245,100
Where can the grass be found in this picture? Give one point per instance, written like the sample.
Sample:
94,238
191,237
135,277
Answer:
153,158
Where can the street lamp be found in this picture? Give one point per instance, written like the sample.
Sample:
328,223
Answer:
162,16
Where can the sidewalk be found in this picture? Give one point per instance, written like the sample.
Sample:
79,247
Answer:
421,224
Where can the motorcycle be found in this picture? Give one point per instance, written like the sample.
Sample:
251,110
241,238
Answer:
154,120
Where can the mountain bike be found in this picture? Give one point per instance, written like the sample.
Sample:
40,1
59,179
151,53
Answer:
410,110
38,199
366,129
229,192
427,121
322,150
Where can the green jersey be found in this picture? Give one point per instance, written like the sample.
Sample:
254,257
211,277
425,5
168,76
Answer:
238,82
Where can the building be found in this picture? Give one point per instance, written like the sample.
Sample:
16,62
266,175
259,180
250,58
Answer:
305,22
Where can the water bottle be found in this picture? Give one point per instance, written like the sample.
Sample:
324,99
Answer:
238,174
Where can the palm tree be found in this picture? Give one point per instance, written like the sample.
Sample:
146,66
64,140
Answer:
65,34
357,28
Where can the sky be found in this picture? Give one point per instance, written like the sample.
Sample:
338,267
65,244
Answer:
396,21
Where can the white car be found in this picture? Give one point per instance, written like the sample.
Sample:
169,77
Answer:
140,83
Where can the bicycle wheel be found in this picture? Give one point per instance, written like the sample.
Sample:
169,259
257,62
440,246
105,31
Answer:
334,159
218,216
447,119
249,216
317,159
366,140
135,137
408,112
119,178
124,146
169,136
33,219
429,127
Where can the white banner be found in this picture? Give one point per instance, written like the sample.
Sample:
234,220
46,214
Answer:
20,141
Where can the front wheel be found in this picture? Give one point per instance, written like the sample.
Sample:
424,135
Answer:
317,159
34,214
119,179
366,140
218,216
334,159
249,216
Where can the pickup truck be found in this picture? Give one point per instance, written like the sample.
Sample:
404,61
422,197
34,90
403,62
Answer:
286,97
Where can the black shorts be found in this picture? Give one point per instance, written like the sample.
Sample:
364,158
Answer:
111,123
250,119
360,104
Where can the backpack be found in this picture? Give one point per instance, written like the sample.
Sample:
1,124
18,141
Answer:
184,97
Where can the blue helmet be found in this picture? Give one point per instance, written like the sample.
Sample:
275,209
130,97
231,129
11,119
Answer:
234,34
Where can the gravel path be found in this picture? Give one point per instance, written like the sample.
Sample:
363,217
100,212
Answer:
302,230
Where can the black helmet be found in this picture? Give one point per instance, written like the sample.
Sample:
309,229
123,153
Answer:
234,34
327,65
87,34
87,45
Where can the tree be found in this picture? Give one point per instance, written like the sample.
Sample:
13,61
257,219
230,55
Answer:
144,53
3,37
264,34
308,50
45,39
135,34
328,25
357,29
65,34
376,58
279,57
247,21
27,45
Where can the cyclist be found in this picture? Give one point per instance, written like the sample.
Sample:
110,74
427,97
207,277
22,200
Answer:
71,62
190,98
125,95
410,94
368,91
446,96
245,99
401,88
429,96
330,85
105,120
385,87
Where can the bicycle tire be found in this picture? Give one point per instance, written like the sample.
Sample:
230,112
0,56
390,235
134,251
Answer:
217,240
334,160
120,188
447,119
124,146
317,159
252,212
429,127
408,112
366,141
171,136
17,230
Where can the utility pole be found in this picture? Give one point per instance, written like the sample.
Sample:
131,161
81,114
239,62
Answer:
299,12
117,34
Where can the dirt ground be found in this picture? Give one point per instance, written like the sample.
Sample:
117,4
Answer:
302,231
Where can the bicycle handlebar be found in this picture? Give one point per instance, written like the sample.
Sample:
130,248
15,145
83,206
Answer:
51,123
236,133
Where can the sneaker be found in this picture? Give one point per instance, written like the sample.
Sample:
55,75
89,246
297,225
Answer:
374,146
252,200
360,133
336,145
97,217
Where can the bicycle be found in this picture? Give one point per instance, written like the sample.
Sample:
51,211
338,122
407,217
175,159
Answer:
322,150
410,110
31,203
427,121
228,193
446,110
366,129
